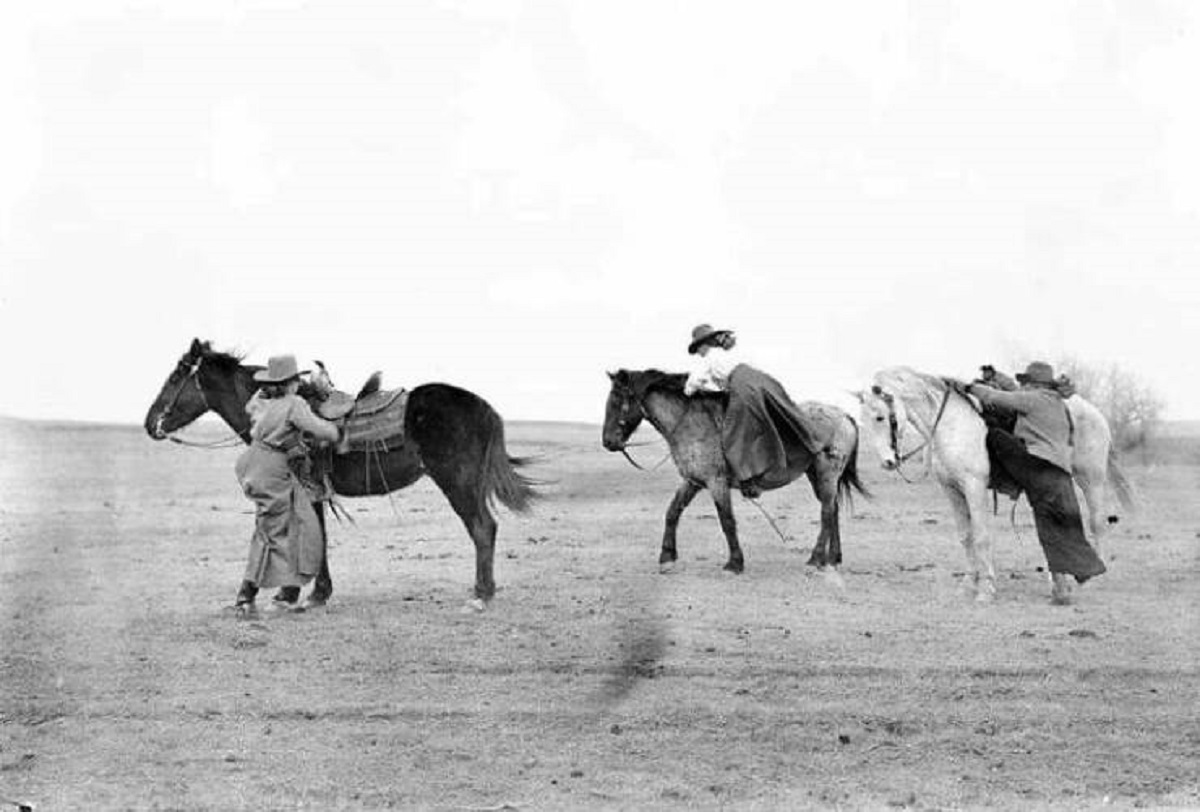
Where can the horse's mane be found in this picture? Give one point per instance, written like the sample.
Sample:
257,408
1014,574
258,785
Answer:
910,385
641,382
223,360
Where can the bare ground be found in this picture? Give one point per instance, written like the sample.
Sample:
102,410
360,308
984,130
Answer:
592,681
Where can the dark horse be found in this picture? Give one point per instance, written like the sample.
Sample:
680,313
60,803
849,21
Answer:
450,434
692,428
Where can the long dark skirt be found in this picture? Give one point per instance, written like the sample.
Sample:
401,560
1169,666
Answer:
1051,493
765,431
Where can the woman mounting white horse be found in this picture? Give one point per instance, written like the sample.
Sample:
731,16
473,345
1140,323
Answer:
906,413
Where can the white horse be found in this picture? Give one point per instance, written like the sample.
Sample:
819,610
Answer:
950,432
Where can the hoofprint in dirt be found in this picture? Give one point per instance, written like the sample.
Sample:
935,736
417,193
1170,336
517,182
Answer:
593,682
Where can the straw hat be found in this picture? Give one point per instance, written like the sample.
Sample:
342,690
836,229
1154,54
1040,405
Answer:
280,369
1038,372
703,333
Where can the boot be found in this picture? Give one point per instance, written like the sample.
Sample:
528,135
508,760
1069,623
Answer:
287,594
246,594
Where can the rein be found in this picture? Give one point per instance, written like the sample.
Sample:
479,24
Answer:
669,436
894,428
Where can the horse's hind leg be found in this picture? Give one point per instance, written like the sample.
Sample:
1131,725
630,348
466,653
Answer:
720,497
684,494
828,549
1093,495
481,525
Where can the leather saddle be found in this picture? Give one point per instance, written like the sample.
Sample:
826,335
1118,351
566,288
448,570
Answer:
372,420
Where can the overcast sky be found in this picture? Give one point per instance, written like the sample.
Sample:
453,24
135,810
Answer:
517,196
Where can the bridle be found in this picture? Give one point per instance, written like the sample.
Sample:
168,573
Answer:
622,424
193,376
894,428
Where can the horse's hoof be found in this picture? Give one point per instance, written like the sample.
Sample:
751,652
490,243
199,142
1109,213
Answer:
667,567
1060,592
474,606
985,596
244,611
315,603
833,577
280,609
733,569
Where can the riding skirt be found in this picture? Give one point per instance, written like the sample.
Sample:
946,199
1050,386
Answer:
287,544
765,434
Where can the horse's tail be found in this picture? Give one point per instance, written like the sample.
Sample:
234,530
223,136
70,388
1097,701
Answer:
849,480
501,479
1120,483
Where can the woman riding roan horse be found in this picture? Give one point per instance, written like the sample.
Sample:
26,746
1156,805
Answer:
693,427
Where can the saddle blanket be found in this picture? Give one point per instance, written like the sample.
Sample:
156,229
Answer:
375,422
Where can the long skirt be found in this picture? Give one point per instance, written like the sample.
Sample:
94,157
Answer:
765,434
287,544
1056,514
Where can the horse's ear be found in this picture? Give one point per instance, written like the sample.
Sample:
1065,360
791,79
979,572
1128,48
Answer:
612,376
197,347
859,395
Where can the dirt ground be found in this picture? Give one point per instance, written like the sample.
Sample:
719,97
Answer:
592,681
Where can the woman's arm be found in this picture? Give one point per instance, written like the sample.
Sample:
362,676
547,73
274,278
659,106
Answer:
1018,401
303,418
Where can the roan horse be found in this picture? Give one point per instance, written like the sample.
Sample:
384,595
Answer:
692,428
450,434
951,431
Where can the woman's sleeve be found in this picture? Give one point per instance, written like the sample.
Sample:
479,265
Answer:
1014,401
304,419
700,379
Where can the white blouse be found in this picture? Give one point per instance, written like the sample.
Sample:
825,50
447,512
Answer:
710,372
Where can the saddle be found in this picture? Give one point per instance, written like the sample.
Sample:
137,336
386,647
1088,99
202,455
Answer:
372,420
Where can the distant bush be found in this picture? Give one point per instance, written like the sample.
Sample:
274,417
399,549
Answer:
1131,406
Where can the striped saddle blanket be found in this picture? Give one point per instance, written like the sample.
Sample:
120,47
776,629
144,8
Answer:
373,422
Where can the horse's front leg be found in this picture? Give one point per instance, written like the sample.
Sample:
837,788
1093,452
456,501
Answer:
968,501
721,498
323,585
684,494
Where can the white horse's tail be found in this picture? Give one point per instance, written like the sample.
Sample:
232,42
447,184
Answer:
1120,483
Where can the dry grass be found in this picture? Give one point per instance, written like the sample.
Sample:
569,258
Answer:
593,681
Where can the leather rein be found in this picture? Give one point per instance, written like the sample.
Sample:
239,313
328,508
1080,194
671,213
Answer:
894,430
669,436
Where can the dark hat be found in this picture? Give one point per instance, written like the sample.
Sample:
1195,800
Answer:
1037,372
280,369
703,333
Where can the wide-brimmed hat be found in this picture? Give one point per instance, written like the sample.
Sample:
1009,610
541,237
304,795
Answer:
1037,372
280,369
701,334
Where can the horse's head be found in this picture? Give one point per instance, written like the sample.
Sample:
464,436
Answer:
181,400
623,411
883,419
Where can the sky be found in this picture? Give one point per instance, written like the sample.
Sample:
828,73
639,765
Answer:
516,197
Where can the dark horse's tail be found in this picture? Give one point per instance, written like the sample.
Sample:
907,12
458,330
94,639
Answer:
501,480
849,480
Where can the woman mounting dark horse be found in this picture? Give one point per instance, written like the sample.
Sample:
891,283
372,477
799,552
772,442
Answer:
692,426
450,434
